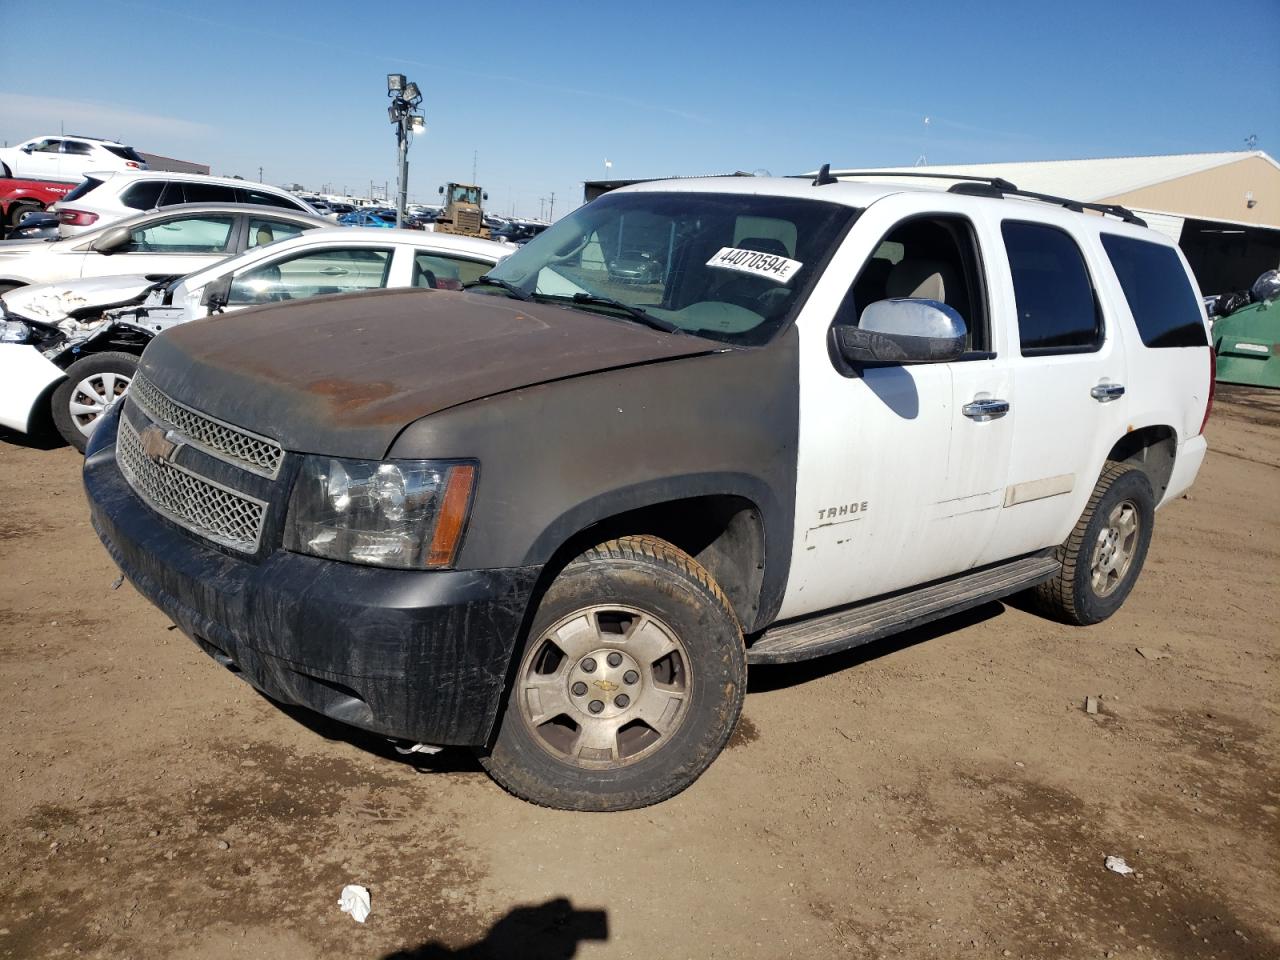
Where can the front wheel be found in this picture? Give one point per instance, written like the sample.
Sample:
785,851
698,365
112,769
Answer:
94,383
630,684
1103,556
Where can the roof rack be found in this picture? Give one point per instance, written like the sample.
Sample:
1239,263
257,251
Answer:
999,187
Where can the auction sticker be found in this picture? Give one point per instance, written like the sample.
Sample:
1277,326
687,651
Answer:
767,265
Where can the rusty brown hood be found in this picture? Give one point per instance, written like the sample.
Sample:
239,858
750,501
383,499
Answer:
343,375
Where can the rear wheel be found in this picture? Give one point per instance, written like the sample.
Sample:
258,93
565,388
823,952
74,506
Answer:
630,683
93,385
1103,557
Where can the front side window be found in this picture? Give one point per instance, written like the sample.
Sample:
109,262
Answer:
188,235
310,274
440,272
143,195
1164,305
926,258
265,199
47,146
263,231
731,267
1057,309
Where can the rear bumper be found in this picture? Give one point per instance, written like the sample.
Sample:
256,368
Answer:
416,655
1185,467
25,375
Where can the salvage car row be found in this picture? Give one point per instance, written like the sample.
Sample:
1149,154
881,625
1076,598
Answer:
77,312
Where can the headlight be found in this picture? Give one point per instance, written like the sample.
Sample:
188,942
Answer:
398,513
14,331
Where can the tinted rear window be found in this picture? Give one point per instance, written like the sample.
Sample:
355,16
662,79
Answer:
1163,303
77,148
1057,311
87,184
126,153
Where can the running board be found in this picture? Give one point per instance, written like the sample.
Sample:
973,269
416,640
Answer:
854,626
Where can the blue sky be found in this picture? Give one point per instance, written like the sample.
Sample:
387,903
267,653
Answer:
543,93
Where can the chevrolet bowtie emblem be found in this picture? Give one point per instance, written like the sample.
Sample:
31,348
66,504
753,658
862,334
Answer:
608,686
157,445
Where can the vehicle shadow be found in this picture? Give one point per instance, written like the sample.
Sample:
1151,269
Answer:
547,931
38,439
448,760
762,678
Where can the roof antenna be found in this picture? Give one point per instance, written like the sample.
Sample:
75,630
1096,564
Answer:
824,176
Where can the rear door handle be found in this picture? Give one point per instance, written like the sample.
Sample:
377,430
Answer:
987,408
1106,392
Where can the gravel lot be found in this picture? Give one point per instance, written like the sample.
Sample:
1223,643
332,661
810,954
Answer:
912,799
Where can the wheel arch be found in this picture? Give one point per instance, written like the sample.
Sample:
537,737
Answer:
729,523
1153,449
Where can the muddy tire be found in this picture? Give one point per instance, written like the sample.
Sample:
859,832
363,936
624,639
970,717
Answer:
1103,557
93,384
629,685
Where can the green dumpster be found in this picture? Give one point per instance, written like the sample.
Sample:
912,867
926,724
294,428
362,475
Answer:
1248,345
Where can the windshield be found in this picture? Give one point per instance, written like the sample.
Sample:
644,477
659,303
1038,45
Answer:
463,194
731,267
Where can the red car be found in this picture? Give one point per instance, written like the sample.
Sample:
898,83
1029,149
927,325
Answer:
20,197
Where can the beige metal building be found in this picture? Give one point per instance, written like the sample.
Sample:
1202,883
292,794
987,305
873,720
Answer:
1222,208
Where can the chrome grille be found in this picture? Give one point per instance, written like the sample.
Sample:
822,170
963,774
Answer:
211,510
222,440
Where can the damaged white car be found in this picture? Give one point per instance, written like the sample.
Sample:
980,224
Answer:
69,350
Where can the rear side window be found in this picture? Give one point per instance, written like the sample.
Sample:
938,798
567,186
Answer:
1160,297
1057,309
208,193
87,184
77,148
143,195
264,231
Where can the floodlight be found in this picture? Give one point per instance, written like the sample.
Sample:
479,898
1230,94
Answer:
411,92
418,123
395,83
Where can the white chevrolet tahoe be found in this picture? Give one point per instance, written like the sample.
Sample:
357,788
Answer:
554,517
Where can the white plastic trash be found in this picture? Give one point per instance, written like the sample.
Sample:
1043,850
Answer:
1116,865
355,901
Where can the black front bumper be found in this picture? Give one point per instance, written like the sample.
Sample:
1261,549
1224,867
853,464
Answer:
416,655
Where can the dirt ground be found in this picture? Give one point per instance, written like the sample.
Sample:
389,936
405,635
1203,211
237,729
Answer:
948,798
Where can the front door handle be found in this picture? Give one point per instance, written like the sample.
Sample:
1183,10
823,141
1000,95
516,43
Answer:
1106,392
984,409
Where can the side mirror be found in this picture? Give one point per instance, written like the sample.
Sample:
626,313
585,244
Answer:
440,191
28,148
216,293
112,240
484,196
903,331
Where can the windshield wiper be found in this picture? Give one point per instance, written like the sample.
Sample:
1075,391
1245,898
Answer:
488,281
635,313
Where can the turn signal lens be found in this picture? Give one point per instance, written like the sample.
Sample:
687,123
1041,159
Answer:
454,507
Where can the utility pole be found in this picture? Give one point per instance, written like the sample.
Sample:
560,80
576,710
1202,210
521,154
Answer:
551,214
260,180
474,156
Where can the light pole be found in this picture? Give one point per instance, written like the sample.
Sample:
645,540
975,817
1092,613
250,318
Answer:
405,98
